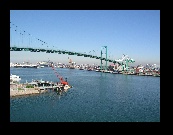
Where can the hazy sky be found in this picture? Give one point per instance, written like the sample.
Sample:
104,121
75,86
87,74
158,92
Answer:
135,33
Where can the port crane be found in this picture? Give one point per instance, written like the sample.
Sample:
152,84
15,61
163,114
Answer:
124,61
71,63
62,81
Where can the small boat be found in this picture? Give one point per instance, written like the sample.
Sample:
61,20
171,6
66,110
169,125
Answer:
81,68
62,88
15,78
115,72
89,69
156,75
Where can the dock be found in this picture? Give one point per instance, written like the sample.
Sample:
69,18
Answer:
36,87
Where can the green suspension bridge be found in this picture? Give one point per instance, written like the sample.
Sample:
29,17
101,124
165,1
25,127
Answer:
22,34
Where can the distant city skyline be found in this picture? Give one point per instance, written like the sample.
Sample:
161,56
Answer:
135,33
60,59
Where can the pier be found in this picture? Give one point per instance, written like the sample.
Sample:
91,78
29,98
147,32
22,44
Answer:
36,87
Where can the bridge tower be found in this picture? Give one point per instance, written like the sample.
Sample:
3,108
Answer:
103,47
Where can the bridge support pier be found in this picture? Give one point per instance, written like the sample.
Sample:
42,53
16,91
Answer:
101,66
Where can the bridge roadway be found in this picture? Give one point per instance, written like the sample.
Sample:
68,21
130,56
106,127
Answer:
59,52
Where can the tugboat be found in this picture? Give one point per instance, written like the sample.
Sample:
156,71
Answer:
14,78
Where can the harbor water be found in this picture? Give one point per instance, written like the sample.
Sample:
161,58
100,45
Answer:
94,97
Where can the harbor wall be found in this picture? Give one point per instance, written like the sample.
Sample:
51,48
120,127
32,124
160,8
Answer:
26,91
